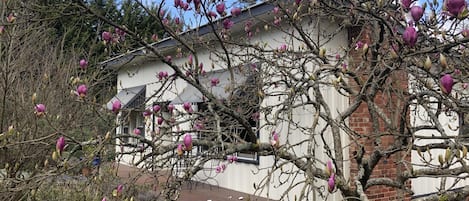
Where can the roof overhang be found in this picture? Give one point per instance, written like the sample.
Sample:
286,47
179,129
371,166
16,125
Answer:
142,55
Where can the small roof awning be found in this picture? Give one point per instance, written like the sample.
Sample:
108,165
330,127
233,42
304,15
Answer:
129,97
221,91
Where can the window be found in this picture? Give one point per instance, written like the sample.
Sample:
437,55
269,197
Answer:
132,120
464,121
245,102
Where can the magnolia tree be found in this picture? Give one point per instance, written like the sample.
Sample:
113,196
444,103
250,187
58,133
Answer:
329,93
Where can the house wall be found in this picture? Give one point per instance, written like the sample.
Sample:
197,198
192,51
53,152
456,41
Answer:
450,122
242,176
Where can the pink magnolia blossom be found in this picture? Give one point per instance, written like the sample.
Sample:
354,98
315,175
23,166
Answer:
82,90
177,3
2,29
119,32
185,6
154,37
282,48
255,116
465,85
156,108
177,20
275,139
190,60
218,169
297,2
416,12
83,64
120,187
116,106
137,131
170,108
232,159
331,183
187,107
106,36
60,145
146,113
277,21
104,199
159,120
212,14
40,109
406,3
227,24
447,83
455,7
221,8
276,10
410,36
359,45
11,18
235,11
180,149
214,82
168,58
199,126
163,75
188,142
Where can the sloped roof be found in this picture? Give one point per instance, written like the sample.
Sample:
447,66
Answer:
169,43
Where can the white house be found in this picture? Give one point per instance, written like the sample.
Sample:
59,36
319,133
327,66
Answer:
139,88
138,84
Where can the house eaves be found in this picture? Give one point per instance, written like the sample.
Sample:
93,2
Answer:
169,44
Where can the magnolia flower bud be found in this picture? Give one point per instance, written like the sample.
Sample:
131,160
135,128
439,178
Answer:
60,145
34,97
235,11
82,90
137,131
406,3
329,169
428,63
214,82
448,155
221,9
440,159
464,151
447,83
188,142
180,150
331,183
187,107
322,52
108,136
443,62
40,109
416,12
410,36
455,7
116,106
275,139
55,155
156,108
83,64
170,108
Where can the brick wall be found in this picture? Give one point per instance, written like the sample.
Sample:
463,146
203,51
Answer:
360,122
